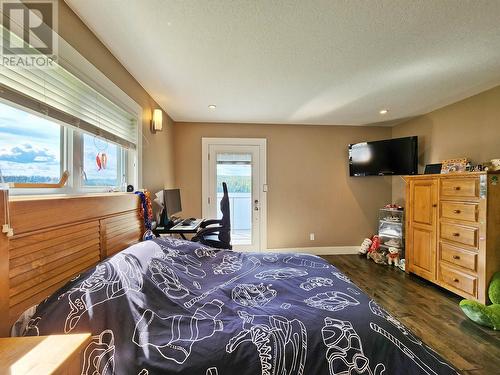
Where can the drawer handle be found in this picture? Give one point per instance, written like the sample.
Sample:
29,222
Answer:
456,188
456,257
456,280
456,234
434,205
456,211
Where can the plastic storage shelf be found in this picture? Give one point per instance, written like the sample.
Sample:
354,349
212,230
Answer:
391,229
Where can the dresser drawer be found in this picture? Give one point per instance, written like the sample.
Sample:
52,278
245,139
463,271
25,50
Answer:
460,211
460,257
459,234
460,187
458,280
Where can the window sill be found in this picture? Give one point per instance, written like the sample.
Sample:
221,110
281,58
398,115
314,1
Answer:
38,197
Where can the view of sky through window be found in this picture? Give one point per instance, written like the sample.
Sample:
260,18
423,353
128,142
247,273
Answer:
30,151
29,147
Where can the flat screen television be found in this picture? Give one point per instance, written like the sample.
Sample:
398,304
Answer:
389,157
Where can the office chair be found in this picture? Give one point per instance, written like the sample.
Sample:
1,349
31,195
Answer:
217,233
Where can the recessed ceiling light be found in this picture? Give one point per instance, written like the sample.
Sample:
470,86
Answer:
212,106
383,111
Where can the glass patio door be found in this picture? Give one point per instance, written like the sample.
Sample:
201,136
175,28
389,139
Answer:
237,166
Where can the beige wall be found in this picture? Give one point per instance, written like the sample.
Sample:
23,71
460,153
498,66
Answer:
469,128
304,159
309,186
158,160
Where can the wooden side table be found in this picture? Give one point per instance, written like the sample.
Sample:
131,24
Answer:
41,355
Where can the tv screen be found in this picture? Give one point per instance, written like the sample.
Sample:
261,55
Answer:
389,157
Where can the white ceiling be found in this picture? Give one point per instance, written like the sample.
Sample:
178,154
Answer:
296,61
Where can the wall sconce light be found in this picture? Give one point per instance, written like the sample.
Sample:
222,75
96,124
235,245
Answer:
157,121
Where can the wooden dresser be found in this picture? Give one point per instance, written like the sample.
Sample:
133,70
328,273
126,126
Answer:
453,230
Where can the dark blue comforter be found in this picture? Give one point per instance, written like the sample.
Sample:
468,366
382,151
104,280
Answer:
174,307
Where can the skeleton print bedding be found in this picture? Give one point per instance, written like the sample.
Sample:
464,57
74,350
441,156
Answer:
169,306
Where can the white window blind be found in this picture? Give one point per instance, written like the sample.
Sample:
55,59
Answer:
59,94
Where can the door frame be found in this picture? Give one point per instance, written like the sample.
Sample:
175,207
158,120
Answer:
262,143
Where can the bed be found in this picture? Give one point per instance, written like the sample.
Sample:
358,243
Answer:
169,306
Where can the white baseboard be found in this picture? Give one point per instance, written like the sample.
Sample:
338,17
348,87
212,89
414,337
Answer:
325,250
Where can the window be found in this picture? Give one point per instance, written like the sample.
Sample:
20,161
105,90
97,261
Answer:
101,162
30,147
35,149
67,118
235,169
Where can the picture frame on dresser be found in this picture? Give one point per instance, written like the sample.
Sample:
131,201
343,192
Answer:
433,168
454,166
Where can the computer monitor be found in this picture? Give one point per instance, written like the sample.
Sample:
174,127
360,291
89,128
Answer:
172,200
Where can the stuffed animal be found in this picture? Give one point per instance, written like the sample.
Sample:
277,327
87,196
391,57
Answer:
375,252
365,246
393,206
378,257
373,247
393,256
488,316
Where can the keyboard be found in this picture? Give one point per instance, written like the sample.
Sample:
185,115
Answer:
190,225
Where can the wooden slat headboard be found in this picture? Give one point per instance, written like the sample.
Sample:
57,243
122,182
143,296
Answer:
56,238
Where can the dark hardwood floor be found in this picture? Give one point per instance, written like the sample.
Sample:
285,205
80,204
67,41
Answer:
429,311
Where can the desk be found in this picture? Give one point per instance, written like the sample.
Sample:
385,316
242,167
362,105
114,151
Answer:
180,229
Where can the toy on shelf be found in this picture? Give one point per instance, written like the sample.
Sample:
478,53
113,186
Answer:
393,256
363,249
393,206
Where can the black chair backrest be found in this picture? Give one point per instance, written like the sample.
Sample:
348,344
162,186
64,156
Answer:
225,232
